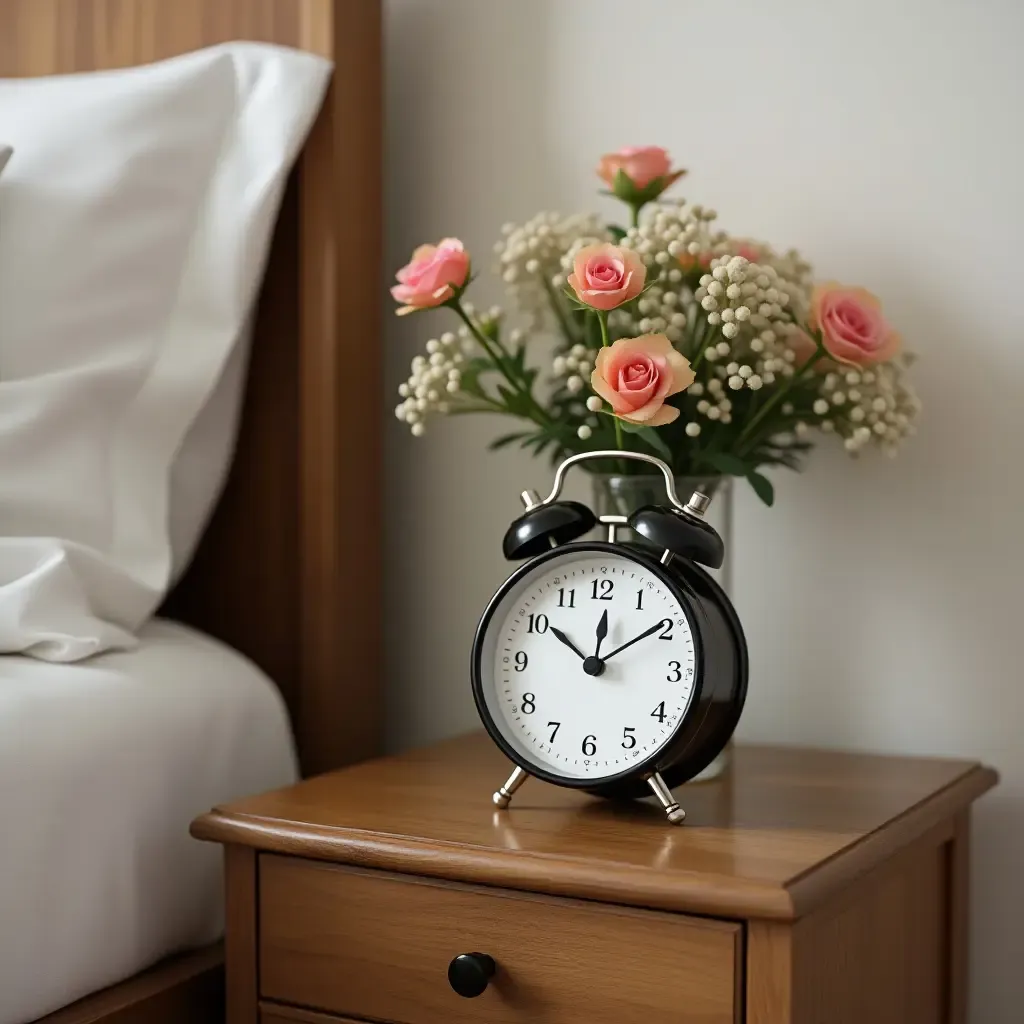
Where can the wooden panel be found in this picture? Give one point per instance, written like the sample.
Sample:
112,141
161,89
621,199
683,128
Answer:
958,872
240,940
42,37
185,988
378,946
878,953
784,832
271,1014
339,716
769,990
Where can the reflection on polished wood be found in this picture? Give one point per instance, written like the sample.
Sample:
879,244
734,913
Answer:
783,831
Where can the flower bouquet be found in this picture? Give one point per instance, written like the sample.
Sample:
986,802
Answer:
716,353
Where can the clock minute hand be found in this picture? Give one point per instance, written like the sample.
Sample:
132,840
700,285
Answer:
629,643
568,643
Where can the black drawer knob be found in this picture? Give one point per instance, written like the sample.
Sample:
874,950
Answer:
469,973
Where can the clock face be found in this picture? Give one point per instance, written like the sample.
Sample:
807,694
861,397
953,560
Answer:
587,664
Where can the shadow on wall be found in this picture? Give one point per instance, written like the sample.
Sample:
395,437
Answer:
438,183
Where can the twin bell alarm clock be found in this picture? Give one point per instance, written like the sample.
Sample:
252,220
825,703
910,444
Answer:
616,666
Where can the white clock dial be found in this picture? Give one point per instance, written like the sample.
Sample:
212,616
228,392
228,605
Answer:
568,703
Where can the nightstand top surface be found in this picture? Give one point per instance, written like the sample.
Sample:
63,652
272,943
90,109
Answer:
782,831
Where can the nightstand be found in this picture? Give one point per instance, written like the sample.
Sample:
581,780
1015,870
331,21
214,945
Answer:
807,887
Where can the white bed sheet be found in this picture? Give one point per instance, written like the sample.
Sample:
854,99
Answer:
103,764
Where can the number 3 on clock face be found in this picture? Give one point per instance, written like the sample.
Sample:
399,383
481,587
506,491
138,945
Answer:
586,664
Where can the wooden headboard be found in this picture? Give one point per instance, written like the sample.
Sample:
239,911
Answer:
289,572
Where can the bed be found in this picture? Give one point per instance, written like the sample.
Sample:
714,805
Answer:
286,583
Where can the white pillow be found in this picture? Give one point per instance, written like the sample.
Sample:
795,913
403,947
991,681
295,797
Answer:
136,217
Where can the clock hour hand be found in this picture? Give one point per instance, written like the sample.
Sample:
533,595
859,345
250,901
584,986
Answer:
568,643
629,643
602,632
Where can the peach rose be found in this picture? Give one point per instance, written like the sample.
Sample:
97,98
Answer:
605,276
641,164
635,376
431,276
852,327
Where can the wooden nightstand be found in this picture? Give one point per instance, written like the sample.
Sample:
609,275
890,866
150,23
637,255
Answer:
807,887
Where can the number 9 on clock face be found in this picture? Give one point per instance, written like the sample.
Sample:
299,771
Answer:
586,664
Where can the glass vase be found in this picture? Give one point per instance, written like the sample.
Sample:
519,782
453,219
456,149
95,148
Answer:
619,495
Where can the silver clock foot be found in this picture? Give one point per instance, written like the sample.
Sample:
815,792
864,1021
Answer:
673,811
504,793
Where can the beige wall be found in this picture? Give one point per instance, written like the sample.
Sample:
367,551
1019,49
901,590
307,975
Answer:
882,599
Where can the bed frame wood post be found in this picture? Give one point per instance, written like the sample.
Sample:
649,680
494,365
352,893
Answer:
339,715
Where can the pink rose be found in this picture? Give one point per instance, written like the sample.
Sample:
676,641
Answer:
749,251
428,278
635,376
852,327
605,276
641,164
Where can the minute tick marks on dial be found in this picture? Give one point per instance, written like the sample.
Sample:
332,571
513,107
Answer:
593,704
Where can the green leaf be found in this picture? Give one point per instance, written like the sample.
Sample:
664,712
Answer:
623,187
617,233
516,403
730,464
762,487
654,439
507,439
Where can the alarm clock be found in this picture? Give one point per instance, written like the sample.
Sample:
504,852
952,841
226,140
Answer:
616,666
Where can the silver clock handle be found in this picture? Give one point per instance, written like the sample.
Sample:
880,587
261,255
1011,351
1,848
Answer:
694,507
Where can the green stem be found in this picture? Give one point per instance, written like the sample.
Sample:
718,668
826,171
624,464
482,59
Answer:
491,406
634,213
707,334
559,311
776,398
602,319
500,359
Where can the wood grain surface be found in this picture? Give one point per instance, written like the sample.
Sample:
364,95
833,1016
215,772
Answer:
42,37
877,952
376,945
783,832
241,936
273,1014
958,872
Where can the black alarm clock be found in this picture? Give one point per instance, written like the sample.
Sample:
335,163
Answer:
615,666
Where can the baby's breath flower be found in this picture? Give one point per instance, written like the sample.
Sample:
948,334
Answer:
538,254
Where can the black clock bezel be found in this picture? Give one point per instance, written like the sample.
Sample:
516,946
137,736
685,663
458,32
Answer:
640,769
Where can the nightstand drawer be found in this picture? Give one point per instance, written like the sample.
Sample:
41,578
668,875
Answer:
378,945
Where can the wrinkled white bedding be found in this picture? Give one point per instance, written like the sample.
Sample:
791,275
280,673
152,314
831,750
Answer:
103,764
